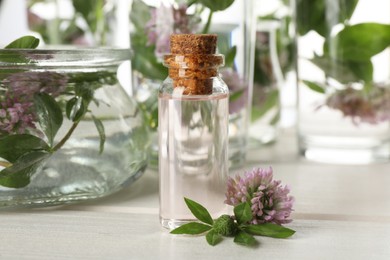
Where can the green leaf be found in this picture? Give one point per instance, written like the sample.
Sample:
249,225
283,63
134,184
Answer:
225,41
69,109
230,56
140,14
199,211
363,70
145,61
192,228
216,5
243,213
49,115
25,42
346,9
75,109
245,239
269,230
310,15
345,71
213,238
314,86
321,15
14,146
334,68
100,128
86,91
18,175
77,106
359,42
88,9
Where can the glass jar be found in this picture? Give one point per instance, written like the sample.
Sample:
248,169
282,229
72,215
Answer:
68,131
344,80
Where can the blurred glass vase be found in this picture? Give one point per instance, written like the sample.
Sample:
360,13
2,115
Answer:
67,130
268,77
344,80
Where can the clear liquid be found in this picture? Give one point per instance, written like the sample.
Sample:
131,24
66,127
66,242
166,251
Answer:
193,158
79,172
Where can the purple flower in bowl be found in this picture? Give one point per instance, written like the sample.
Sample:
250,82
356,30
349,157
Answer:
369,107
17,112
16,117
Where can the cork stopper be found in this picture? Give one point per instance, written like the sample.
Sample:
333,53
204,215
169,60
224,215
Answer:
193,43
193,62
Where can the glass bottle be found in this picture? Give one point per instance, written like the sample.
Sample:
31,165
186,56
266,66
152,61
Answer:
193,129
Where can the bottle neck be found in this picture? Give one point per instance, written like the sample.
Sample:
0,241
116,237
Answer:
194,73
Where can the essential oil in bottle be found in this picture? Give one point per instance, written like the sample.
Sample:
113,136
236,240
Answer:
193,130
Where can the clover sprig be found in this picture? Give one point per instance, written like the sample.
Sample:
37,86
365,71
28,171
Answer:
237,226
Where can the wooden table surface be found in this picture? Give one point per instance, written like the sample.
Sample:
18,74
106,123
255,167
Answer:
341,212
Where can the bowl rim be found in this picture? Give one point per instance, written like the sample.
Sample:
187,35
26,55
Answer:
64,57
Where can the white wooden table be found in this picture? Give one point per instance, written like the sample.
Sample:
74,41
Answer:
341,212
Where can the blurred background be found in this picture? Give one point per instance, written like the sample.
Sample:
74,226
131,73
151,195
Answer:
321,67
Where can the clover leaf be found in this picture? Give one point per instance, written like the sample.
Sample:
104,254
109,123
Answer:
49,115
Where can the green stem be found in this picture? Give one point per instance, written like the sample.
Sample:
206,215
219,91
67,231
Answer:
53,27
66,137
101,22
207,26
5,164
